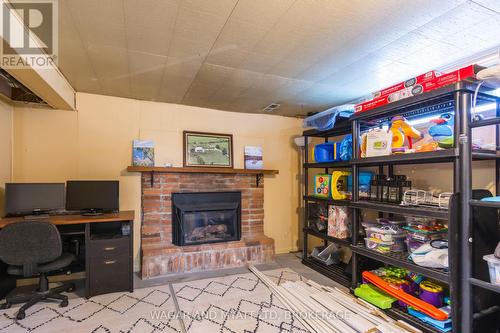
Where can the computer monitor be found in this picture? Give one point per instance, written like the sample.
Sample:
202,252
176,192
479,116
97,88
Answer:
92,196
33,198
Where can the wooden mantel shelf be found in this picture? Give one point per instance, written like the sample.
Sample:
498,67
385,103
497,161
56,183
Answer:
258,173
202,170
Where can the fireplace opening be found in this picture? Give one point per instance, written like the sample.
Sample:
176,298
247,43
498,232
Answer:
206,217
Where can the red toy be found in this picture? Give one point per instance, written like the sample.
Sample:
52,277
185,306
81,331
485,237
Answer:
400,294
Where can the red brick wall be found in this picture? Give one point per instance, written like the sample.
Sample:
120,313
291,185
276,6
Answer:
160,256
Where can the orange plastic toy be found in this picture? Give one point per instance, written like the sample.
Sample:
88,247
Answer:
400,294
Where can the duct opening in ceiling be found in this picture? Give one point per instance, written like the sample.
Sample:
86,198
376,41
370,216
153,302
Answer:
16,91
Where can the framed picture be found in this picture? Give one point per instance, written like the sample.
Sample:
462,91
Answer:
253,157
208,149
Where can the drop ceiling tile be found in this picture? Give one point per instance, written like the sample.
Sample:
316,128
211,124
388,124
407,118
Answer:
240,34
99,22
139,39
146,73
97,12
213,74
197,24
259,62
182,67
192,49
261,13
151,35
218,8
491,4
112,69
151,14
288,68
227,56
174,88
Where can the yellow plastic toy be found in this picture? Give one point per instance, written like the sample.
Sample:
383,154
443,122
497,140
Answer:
339,180
400,131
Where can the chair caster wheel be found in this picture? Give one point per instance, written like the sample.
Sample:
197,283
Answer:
5,306
20,315
63,304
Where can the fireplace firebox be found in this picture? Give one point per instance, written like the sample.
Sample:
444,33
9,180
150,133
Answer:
206,217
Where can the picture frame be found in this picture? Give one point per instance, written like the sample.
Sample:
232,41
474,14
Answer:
207,150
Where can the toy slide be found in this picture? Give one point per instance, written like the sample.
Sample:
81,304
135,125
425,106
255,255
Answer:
400,294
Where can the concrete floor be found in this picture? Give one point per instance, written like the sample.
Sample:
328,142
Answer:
290,260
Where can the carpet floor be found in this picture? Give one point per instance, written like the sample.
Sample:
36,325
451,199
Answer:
235,303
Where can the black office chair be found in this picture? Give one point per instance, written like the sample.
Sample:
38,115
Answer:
34,248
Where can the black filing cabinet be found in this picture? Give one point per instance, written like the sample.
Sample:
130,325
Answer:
109,258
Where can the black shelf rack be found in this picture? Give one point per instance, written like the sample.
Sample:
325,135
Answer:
470,251
456,98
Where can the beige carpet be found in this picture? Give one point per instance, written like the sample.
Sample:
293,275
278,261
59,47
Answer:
235,303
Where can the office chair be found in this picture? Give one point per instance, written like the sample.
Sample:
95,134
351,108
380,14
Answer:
34,248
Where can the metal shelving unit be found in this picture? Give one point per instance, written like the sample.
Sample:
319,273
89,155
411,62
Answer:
335,272
470,316
401,260
324,236
455,98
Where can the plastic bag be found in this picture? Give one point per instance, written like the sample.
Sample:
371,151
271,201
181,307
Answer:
325,120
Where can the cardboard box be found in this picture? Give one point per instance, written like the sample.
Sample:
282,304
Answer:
417,89
406,84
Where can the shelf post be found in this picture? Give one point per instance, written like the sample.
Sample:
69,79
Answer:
306,191
463,105
355,198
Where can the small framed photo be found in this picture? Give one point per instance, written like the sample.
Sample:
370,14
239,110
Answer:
253,157
208,149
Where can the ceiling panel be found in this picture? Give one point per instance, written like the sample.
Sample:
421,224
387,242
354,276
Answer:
241,55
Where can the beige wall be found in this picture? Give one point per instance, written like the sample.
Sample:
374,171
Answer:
96,143
5,149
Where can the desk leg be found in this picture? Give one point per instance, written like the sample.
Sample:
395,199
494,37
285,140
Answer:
131,256
87,260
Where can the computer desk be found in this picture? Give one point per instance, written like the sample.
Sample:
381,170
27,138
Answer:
108,253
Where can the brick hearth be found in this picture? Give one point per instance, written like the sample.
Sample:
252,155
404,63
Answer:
161,257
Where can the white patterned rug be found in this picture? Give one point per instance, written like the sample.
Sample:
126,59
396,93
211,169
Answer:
230,304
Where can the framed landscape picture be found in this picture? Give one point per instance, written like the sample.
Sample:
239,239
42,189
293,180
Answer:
208,149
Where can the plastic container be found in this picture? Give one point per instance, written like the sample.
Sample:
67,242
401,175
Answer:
494,268
385,247
327,152
329,255
385,233
392,221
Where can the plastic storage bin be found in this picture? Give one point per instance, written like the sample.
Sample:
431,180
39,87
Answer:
326,152
494,268
385,247
385,234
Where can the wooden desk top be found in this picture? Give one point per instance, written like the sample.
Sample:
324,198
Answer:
127,215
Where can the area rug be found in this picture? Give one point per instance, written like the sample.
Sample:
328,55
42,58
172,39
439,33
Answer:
235,303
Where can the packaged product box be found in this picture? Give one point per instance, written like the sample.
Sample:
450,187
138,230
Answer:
427,85
406,84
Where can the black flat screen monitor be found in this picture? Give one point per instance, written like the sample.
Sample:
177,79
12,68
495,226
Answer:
92,195
33,198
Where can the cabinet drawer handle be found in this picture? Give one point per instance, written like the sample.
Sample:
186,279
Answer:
111,248
110,262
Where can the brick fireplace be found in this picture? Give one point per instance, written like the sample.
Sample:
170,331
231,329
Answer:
160,256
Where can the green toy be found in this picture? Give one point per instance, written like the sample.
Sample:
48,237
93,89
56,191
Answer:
322,185
375,296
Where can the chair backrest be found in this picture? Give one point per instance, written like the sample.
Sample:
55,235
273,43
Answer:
29,243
